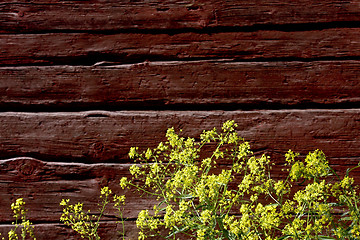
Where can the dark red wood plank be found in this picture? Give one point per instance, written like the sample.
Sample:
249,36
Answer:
40,15
107,231
43,185
100,136
164,84
85,49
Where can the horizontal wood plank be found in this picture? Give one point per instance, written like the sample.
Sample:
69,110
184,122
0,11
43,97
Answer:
43,185
40,15
107,230
164,84
88,49
100,136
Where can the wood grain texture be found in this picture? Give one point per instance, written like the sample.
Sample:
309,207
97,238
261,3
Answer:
99,136
40,15
164,84
43,185
178,55
85,49
107,230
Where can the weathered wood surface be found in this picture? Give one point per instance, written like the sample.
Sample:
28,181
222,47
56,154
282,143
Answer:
40,15
88,49
100,136
158,55
163,84
43,185
107,230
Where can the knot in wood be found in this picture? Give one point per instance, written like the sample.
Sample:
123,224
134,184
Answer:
96,150
28,166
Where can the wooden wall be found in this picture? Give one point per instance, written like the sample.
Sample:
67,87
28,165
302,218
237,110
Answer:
83,81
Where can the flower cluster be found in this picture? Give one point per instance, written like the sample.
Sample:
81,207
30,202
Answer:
241,201
25,226
85,223
195,198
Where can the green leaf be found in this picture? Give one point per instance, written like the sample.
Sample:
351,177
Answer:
345,213
178,230
185,196
326,238
347,172
284,237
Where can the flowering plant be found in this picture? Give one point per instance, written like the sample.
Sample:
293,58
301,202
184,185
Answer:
242,200
85,223
25,227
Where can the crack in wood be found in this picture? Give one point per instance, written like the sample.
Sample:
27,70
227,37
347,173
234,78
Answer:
287,27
